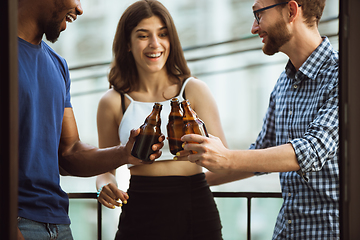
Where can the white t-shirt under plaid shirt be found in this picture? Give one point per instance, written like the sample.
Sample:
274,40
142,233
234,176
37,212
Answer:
303,111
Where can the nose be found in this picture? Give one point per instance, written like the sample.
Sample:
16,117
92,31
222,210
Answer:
154,42
79,10
255,27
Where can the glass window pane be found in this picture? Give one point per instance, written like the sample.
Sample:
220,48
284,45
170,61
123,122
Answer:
233,215
83,216
263,217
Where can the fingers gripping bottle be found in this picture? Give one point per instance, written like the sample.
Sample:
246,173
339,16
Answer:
192,124
175,129
150,132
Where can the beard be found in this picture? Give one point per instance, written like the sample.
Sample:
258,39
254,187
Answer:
52,30
53,27
278,35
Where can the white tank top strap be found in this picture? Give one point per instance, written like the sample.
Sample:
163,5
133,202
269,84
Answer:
127,95
181,93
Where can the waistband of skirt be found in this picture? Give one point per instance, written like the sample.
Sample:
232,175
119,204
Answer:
150,181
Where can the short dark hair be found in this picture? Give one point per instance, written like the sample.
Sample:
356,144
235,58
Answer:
312,9
123,74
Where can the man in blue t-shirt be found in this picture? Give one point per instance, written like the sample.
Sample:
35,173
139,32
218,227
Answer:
49,142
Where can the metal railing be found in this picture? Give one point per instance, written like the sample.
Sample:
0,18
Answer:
248,195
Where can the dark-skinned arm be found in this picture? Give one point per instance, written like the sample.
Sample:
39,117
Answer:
79,159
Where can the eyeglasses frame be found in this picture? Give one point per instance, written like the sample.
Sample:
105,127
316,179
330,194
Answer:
266,8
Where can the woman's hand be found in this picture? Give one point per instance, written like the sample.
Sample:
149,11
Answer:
110,196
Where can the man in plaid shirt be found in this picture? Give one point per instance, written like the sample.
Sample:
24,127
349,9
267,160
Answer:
299,137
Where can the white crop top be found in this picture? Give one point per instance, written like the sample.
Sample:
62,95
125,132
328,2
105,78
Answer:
135,115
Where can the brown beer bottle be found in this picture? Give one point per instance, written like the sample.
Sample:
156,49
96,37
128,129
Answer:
175,129
192,124
150,132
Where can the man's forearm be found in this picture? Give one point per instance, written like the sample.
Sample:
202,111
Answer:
244,163
84,160
214,179
281,158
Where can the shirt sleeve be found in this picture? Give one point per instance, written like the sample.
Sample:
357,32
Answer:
320,142
67,85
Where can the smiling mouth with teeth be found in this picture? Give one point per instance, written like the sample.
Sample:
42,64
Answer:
69,18
154,55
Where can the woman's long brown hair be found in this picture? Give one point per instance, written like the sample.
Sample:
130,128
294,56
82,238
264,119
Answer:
123,76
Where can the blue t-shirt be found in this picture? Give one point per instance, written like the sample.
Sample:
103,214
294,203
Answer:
44,93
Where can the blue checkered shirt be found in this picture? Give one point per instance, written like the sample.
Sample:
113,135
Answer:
303,111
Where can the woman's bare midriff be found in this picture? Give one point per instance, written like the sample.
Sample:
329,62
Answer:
166,168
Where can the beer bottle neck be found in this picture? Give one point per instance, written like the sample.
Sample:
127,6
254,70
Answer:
188,113
154,117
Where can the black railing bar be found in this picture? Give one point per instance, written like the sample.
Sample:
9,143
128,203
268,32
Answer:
247,194
215,194
82,195
248,218
247,37
99,220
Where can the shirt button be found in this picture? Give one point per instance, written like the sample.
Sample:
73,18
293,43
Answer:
289,194
295,86
289,221
290,112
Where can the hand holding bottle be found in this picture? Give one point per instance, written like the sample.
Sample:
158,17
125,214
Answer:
150,134
154,148
192,124
208,152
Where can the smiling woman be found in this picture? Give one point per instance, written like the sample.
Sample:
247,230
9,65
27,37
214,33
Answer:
150,45
123,75
148,67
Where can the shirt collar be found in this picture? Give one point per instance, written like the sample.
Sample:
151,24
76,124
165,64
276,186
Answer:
311,67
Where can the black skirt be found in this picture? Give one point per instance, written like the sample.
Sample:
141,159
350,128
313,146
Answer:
169,208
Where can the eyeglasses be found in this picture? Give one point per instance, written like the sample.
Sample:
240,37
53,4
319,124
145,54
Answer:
256,12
